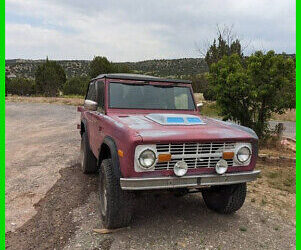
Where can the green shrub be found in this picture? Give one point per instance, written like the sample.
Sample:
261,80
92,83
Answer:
250,90
50,78
200,84
20,86
101,65
76,86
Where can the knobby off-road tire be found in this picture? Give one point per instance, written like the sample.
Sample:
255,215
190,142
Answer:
87,159
115,204
225,199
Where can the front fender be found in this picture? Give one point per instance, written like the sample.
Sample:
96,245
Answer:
110,143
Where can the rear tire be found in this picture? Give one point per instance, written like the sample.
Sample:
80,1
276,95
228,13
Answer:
115,204
87,159
225,199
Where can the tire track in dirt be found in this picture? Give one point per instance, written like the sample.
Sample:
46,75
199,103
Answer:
53,225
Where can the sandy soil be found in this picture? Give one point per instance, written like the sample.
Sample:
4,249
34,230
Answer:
50,204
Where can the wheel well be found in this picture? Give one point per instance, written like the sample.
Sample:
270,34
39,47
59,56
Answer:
82,128
105,153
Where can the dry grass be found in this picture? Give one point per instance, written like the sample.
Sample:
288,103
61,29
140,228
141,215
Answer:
289,115
275,190
282,174
278,152
277,147
210,109
199,97
281,177
75,101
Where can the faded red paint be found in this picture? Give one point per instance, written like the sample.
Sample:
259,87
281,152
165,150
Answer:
130,127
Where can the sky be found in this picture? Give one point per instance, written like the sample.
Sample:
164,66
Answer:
135,30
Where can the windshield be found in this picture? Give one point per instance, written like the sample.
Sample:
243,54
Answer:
134,96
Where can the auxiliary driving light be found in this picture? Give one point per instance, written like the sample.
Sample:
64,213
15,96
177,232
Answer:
180,168
221,166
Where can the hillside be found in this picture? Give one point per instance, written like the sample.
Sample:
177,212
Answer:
171,68
27,68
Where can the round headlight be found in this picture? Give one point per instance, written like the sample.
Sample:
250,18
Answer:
147,158
243,154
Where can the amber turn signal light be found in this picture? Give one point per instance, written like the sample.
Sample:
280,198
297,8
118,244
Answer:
120,153
164,157
228,155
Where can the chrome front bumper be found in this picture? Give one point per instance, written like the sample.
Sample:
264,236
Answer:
187,181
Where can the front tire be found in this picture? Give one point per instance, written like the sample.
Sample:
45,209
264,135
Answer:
115,204
225,199
87,159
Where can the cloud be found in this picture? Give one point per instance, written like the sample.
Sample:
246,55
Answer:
131,30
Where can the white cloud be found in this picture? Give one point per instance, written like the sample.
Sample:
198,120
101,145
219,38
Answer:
138,30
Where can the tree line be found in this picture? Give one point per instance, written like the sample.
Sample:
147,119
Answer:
50,79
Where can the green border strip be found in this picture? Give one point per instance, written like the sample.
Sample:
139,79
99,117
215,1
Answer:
298,106
2,124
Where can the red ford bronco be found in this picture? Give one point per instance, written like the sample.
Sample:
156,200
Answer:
145,133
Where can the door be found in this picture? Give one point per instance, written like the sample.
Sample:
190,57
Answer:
97,134
91,95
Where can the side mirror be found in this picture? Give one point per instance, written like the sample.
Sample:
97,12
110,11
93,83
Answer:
199,106
90,105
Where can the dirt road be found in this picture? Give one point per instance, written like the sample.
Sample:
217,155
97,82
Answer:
50,204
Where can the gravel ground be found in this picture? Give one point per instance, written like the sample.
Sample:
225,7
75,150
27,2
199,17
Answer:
50,204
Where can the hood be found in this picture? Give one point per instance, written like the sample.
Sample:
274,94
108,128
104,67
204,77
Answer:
183,128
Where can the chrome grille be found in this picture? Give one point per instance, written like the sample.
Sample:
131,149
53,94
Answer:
196,155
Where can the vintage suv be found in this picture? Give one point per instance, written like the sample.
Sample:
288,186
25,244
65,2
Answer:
145,133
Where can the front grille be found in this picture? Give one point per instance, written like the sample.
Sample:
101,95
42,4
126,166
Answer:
196,155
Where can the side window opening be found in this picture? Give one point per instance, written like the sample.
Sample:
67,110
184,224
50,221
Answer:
91,94
100,95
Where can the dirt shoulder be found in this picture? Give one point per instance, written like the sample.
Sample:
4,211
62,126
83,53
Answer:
75,101
275,190
40,140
